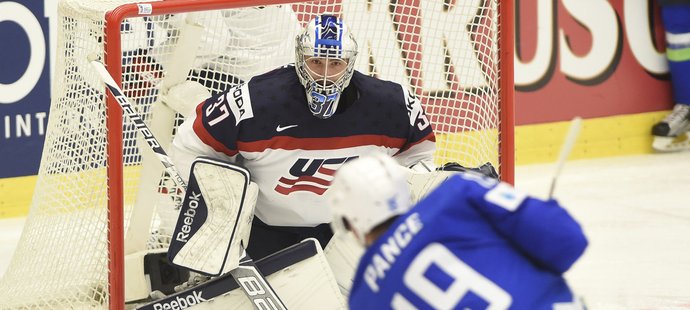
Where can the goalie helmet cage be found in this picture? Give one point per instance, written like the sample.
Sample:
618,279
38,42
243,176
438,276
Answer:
95,172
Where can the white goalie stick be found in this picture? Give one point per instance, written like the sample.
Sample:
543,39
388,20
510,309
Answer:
138,122
247,266
177,65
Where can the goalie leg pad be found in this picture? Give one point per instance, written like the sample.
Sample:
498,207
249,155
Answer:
343,253
215,219
299,274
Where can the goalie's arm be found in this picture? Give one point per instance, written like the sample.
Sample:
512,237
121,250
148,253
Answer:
542,230
187,146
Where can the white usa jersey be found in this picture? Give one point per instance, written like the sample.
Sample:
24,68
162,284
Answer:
265,125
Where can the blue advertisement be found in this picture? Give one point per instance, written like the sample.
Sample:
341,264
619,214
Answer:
25,62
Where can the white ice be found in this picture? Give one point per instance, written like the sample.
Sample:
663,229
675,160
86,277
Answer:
635,211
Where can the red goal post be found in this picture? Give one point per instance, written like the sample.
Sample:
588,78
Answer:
97,180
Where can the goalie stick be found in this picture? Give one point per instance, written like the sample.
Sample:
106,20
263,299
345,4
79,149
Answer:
177,65
246,264
279,264
136,119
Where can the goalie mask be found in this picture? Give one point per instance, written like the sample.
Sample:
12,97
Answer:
325,54
366,192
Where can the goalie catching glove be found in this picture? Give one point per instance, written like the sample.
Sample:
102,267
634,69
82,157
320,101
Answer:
486,169
423,183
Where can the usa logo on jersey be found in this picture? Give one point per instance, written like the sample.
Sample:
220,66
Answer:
310,175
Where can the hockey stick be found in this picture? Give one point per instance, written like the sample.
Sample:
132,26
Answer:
566,148
246,263
177,66
136,119
301,271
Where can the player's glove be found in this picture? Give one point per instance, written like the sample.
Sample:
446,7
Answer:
486,169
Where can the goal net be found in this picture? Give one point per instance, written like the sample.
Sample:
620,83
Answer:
99,182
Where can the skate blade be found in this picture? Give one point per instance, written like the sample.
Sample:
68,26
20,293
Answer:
672,144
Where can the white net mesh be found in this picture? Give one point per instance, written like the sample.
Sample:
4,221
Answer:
446,52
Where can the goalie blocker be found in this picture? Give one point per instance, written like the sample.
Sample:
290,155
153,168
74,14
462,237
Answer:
213,228
211,233
215,219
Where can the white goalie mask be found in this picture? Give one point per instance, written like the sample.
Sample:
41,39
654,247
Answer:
366,192
325,54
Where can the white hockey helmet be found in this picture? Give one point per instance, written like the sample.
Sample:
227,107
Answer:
366,192
325,39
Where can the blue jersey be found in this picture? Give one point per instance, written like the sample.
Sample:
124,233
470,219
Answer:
471,244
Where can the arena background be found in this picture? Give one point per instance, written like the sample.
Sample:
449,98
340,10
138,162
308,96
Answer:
600,60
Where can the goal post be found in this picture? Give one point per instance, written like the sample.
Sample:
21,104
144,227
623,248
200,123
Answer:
113,47
506,89
97,188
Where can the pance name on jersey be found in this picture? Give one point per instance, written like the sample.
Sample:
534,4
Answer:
388,251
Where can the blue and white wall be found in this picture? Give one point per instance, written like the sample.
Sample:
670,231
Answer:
27,39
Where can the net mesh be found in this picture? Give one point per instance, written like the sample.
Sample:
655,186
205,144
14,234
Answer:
446,52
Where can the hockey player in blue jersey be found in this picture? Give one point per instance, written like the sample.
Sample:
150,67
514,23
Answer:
472,243
675,15
293,127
